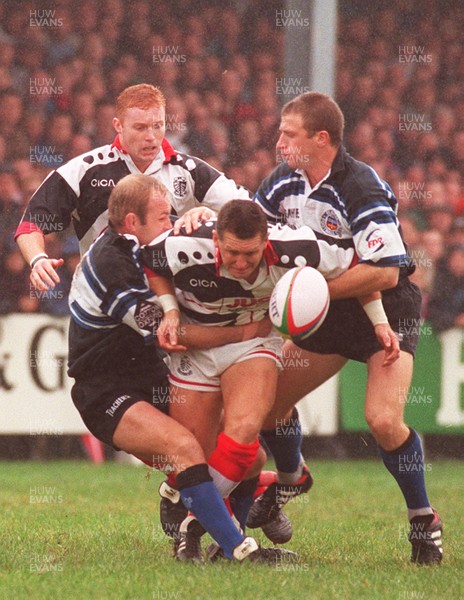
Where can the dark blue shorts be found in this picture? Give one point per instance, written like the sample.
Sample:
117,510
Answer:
102,401
348,332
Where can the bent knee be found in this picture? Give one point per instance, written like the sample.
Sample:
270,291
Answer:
383,426
186,452
244,431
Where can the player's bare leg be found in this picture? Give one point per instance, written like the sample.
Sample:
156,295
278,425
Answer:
154,437
248,390
186,413
302,373
150,434
386,393
401,450
199,412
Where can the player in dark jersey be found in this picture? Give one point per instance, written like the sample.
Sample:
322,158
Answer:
78,191
224,274
345,202
121,389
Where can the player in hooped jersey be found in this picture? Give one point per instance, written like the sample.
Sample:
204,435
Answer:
346,203
224,274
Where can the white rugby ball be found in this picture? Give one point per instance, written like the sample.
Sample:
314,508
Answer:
299,302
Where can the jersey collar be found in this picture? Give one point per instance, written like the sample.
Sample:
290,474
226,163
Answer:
339,160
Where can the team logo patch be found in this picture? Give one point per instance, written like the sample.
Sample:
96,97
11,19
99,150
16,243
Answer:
180,186
148,315
185,367
330,223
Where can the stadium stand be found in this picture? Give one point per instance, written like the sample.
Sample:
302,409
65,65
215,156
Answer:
400,85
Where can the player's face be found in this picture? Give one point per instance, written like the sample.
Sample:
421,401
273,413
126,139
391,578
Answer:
141,133
241,258
157,219
295,145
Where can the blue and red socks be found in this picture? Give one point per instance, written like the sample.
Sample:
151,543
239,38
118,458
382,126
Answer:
200,496
230,462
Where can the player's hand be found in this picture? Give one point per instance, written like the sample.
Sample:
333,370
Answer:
44,276
192,219
390,343
257,329
459,321
167,332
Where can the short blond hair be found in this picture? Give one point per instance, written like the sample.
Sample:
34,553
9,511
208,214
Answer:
132,194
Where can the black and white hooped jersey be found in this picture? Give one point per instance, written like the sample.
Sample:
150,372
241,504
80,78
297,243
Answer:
351,203
209,295
79,190
114,314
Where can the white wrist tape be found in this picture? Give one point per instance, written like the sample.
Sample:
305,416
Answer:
36,259
376,313
168,302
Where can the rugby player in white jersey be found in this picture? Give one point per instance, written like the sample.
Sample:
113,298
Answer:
224,274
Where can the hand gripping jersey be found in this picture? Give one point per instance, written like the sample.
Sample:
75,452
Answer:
351,204
209,295
79,190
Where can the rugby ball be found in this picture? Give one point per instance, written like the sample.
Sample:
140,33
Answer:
299,302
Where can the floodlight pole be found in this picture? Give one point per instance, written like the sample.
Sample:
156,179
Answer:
310,46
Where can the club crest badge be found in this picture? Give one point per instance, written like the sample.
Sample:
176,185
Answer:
330,223
180,186
185,367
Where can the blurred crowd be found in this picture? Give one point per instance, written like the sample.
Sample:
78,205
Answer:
400,83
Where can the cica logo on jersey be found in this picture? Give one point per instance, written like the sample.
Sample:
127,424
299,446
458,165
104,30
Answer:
102,183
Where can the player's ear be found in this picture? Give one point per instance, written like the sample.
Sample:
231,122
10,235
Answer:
131,221
323,138
215,238
117,124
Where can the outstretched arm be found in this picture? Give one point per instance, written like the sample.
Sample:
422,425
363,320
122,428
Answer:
176,337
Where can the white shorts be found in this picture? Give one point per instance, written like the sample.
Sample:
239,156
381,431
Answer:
201,370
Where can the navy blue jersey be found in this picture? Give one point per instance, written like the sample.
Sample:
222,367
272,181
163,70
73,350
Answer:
114,315
351,205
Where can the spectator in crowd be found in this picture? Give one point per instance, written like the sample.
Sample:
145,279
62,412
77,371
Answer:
240,52
11,115
446,305
17,294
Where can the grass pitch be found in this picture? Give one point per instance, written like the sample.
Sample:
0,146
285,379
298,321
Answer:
72,530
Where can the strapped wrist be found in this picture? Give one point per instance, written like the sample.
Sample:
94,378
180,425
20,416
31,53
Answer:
168,302
376,312
36,259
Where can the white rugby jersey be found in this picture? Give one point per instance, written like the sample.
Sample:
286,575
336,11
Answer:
351,204
209,295
78,191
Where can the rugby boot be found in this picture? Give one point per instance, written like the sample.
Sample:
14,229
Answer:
425,537
267,506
